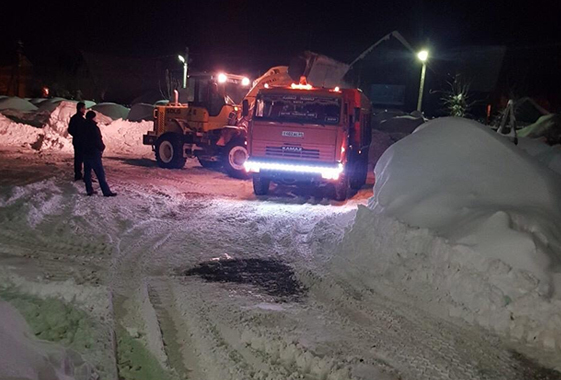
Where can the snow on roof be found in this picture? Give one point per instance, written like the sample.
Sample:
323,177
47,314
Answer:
474,187
15,103
541,127
141,111
112,110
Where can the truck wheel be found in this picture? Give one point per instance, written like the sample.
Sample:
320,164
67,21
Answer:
359,171
169,152
260,185
235,155
342,188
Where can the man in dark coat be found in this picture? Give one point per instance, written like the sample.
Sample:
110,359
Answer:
74,129
92,147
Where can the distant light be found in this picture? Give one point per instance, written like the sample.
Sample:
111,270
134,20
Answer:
423,55
245,82
181,58
266,85
222,78
337,89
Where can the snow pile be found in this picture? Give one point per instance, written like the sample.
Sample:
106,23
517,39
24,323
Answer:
476,188
18,104
24,357
548,155
20,135
123,136
112,110
489,246
140,112
120,136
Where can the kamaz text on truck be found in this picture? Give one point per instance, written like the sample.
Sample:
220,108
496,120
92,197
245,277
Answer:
303,135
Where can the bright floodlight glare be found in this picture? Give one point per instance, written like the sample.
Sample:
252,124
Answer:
181,58
423,55
222,78
245,82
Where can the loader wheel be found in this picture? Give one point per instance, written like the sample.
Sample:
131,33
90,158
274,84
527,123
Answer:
169,152
359,172
342,188
235,155
260,185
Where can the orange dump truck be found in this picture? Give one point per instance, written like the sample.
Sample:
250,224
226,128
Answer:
301,135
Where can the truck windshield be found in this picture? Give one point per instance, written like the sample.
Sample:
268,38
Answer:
303,108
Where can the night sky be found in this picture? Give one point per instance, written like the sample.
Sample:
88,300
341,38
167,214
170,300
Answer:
241,33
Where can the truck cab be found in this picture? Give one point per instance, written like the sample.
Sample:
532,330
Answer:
304,135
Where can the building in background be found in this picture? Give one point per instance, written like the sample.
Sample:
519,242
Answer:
16,74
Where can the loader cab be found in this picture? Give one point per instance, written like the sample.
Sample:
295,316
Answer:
214,91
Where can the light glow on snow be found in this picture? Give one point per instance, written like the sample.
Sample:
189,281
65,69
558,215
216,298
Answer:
330,173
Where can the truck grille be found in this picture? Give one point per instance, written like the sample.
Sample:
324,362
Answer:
291,151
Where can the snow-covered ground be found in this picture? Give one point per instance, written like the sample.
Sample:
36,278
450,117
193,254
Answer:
186,274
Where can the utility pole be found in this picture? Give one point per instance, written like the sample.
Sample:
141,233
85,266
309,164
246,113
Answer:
19,68
185,60
423,56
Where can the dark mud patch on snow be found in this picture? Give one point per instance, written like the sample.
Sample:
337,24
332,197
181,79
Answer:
530,370
274,277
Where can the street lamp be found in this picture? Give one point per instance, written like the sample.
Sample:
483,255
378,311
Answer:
184,61
423,55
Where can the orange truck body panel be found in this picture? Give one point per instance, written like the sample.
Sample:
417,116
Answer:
303,143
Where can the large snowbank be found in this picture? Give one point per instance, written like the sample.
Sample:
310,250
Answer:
24,357
18,104
112,110
490,216
415,266
120,136
470,185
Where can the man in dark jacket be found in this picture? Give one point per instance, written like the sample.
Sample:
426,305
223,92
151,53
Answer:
74,129
92,147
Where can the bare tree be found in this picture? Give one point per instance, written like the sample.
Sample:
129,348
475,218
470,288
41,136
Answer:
457,100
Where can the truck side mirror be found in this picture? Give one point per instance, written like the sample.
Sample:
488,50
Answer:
357,114
245,108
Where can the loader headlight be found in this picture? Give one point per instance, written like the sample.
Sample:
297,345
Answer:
222,78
